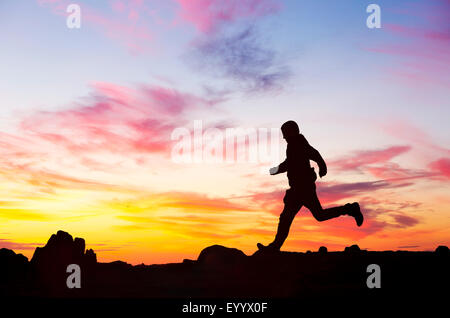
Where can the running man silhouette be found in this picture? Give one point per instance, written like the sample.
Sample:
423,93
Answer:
302,190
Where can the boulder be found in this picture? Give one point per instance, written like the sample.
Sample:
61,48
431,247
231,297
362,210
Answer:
352,249
323,250
218,256
442,250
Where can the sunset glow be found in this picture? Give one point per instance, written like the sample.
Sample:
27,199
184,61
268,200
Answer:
87,116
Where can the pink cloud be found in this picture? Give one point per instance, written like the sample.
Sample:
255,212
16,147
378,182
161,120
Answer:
367,157
378,164
332,192
344,227
403,220
17,246
414,32
135,36
329,193
271,202
442,167
110,126
126,22
423,46
394,173
435,12
209,15
407,131
116,118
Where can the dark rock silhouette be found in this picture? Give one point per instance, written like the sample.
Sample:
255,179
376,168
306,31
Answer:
50,262
224,272
62,247
189,261
14,271
442,250
352,249
9,259
220,256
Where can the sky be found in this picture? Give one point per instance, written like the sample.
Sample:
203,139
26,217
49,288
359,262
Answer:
88,116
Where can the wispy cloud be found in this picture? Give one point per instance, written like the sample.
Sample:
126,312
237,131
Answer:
87,145
424,49
199,202
407,131
403,220
241,58
208,16
378,162
117,119
125,22
17,245
191,207
364,158
332,192
229,47
442,167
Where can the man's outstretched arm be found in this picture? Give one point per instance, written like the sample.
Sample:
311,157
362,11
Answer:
314,155
282,167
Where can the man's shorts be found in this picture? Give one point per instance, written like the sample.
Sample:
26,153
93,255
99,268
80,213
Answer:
300,196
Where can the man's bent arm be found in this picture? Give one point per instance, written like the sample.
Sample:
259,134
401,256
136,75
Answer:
314,155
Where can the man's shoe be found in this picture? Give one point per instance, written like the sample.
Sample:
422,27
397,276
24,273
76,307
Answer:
355,211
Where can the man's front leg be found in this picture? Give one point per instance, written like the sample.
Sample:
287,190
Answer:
284,224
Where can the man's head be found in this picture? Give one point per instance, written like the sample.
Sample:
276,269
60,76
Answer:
289,129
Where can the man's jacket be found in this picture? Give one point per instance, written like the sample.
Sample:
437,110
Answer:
297,165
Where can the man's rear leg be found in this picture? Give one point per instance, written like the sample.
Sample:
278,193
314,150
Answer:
321,214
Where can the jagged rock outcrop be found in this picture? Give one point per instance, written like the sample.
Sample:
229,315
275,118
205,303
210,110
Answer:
8,258
63,249
51,261
14,271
